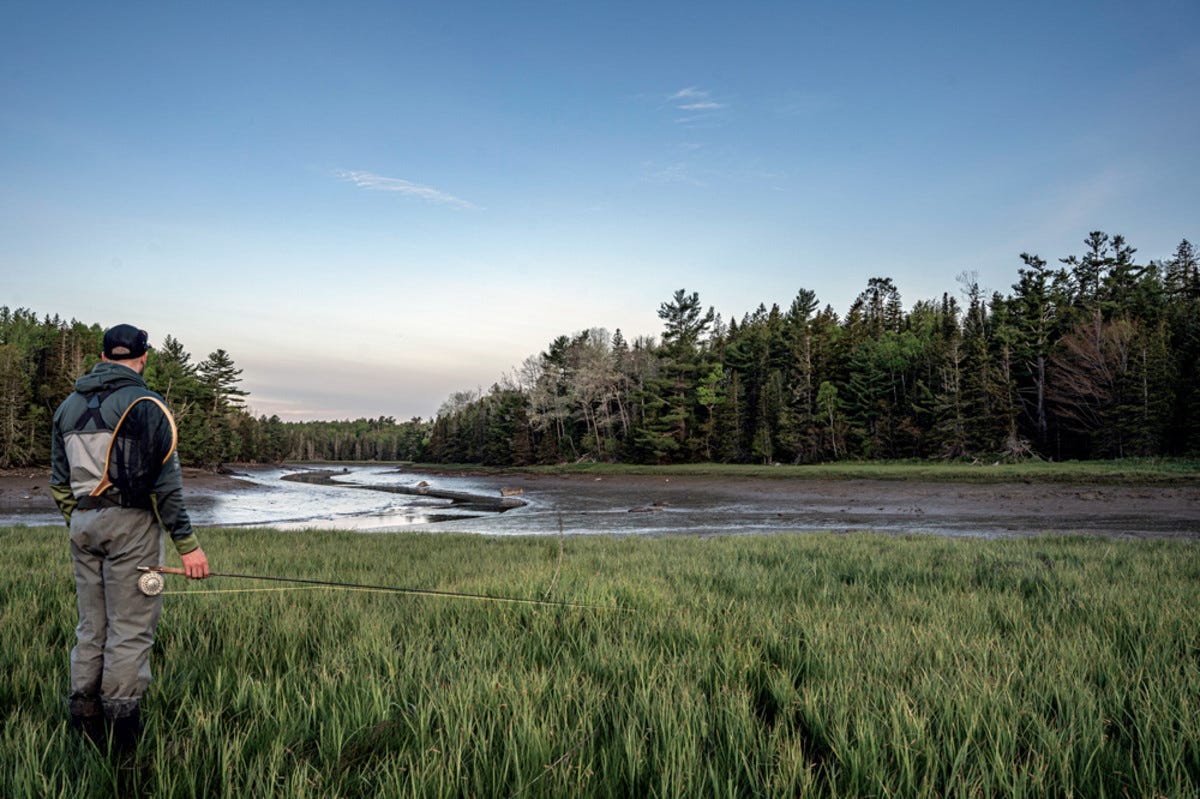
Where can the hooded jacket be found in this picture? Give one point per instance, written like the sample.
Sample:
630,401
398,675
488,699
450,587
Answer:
85,455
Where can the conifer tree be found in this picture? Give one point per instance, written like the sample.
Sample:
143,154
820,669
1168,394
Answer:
797,421
986,427
171,373
1035,308
669,430
222,403
1182,276
829,406
16,431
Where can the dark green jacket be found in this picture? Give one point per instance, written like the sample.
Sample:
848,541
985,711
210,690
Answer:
81,442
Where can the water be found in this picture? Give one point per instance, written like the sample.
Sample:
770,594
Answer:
264,497
572,506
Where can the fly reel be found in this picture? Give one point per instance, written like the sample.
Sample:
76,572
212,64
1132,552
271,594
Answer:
151,583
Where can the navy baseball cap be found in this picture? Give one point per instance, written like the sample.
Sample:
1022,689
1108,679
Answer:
125,342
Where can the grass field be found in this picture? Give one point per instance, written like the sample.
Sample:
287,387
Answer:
815,665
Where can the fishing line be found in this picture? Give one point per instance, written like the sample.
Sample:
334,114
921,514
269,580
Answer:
195,592
151,583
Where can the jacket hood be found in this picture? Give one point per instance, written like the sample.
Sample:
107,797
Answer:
107,376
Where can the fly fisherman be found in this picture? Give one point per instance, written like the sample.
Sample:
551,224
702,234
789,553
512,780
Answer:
116,478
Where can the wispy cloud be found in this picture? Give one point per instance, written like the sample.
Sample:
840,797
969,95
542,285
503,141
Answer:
697,102
373,182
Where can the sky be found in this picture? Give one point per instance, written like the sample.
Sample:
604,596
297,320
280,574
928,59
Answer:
373,205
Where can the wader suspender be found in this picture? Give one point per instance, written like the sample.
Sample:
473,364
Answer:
92,414
105,483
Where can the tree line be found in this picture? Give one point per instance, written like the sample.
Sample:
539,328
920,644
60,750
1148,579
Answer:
40,360
1094,358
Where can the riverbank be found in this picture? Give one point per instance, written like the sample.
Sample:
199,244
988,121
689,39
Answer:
29,489
662,501
1127,471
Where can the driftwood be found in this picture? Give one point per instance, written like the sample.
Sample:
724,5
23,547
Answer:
461,500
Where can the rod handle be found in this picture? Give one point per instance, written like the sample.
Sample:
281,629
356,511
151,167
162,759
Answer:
162,570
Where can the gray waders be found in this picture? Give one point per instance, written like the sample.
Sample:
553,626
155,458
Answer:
110,664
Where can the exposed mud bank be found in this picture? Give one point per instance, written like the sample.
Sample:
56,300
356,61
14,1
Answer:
382,498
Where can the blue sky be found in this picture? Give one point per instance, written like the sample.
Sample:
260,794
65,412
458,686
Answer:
373,205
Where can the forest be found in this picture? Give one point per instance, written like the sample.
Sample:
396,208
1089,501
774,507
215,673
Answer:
41,358
1093,358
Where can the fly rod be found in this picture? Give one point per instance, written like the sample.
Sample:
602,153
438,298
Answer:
151,583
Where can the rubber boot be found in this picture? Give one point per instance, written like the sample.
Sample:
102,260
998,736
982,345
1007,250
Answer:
87,719
125,733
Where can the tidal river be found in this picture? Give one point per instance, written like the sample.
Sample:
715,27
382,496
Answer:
382,499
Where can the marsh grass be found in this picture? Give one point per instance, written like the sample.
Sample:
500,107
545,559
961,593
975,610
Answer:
815,665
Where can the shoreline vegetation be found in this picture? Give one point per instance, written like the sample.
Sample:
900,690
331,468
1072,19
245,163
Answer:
1127,471
815,665
1094,359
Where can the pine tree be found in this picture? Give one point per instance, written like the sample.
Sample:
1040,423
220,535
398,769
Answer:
950,404
669,430
985,426
171,373
829,406
684,322
1088,273
16,432
1183,272
796,425
218,374
1035,305
710,393
222,401
1004,387
1148,390
1121,281
1182,287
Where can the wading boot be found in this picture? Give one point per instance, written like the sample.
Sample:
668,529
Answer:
87,719
125,732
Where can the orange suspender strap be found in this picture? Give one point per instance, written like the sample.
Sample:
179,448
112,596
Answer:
105,483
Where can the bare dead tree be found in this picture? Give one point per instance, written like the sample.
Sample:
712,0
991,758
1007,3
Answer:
1088,369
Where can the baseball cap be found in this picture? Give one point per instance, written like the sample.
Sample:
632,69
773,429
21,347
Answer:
124,342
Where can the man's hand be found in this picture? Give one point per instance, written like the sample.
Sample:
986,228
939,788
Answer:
195,564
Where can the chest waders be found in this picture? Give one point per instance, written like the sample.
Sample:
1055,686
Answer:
114,531
136,465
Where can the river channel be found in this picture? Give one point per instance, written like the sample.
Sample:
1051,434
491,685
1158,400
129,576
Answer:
383,499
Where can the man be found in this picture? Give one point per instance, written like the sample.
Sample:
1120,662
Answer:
116,478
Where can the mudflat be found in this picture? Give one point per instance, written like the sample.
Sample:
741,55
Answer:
1019,508
29,489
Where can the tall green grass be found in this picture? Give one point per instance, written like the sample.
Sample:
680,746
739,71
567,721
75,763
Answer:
815,665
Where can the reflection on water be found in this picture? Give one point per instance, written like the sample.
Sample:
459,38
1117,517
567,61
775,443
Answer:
265,498
337,503
550,507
